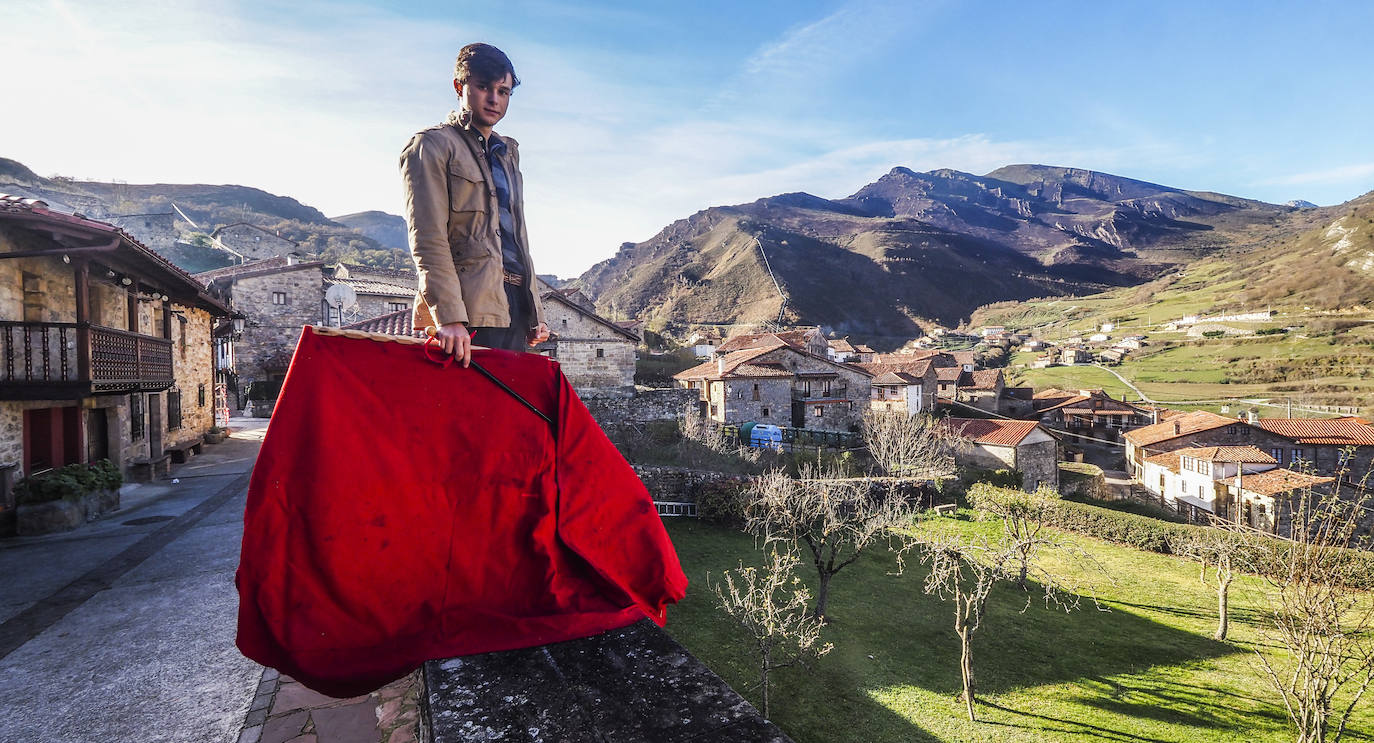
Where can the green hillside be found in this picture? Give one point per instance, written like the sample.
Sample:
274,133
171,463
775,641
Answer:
1319,350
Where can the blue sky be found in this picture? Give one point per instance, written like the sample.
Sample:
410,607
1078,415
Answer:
634,114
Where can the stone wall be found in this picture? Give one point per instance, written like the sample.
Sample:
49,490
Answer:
758,400
1039,463
644,406
593,356
841,408
272,330
193,368
374,305
254,243
157,231
54,281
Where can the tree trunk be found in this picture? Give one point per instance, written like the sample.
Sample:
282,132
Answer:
966,669
763,680
822,595
1223,601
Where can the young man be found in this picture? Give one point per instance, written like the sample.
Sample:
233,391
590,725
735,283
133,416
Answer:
466,211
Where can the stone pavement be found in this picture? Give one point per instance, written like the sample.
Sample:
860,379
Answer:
123,629
283,711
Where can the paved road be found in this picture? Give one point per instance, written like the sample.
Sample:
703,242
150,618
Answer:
123,630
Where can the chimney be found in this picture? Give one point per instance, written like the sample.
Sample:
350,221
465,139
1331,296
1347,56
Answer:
1178,429
720,366
1250,417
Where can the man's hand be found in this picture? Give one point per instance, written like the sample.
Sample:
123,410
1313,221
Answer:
539,335
453,338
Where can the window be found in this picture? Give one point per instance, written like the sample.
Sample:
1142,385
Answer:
136,416
764,412
739,394
1342,457
173,410
756,391
713,411
398,306
1277,454
601,353
200,395
565,322
820,411
1294,455
278,297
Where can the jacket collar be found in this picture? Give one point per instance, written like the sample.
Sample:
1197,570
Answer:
462,120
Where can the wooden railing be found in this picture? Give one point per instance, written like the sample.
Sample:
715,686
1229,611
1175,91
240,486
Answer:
56,360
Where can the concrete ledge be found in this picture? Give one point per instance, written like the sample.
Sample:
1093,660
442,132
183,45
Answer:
631,684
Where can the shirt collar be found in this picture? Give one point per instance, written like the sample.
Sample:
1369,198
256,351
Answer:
463,120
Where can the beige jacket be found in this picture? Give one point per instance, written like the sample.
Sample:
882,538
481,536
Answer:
455,236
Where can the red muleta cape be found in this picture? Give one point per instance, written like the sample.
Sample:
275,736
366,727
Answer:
401,511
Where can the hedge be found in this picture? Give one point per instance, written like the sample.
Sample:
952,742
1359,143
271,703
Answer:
70,482
1143,532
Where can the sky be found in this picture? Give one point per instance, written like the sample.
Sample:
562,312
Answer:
631,115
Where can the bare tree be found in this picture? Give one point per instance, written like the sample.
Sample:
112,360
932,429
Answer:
1023,522
909,446
836,518
696,427
1225,551
771,604
964,572
1319,615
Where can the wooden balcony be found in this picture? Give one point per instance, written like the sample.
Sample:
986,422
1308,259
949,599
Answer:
66,361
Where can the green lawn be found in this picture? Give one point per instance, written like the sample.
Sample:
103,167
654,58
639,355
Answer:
1145,669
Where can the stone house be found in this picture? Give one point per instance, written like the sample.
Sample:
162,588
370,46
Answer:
253,242
1193,429
278,296
1071,356
596,355
1024,446
107,347
908,385
1190,476
1088,413
1327,445
405,277
373,299
821,394
1265,500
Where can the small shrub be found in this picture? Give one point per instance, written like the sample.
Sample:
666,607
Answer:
1213,333
70,483
722,502
1271,331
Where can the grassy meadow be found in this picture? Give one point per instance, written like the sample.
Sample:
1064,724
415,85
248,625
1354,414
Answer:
1143,667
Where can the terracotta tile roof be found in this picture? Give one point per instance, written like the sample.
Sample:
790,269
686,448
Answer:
392,323
986,379
274,264
893,378
1169,460
368,286
757,371
863,348
1179,425
840,345
914,367
259,229
993,432
1246,454
965,357
1348,431
948,373
400,273
793,338
1276,481
715,369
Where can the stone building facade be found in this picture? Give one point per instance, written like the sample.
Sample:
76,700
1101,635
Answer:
596,355
1024,446
107,350
278,296
253,242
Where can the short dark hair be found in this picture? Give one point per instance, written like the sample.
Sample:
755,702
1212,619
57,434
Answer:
483,63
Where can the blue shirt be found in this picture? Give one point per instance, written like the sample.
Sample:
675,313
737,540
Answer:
510,249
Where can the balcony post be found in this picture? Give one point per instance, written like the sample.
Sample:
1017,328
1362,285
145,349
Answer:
83,319
132,296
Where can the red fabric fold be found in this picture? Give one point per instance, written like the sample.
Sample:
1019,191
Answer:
401,511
